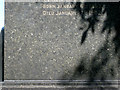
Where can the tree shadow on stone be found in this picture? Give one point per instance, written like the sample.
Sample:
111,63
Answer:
98,65
112,21
96,68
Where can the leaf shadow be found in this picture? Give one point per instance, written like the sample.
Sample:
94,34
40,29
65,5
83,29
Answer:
90,13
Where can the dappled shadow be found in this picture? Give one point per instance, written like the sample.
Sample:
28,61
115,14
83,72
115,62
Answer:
111,23
94,10
99,68
96,68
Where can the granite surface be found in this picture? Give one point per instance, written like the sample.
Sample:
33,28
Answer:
47,47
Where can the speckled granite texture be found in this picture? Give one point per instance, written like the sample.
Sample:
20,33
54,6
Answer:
47,47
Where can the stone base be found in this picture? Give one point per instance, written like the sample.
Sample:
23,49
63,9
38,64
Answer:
60,88
59,85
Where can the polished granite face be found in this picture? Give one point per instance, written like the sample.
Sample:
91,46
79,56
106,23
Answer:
41,46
